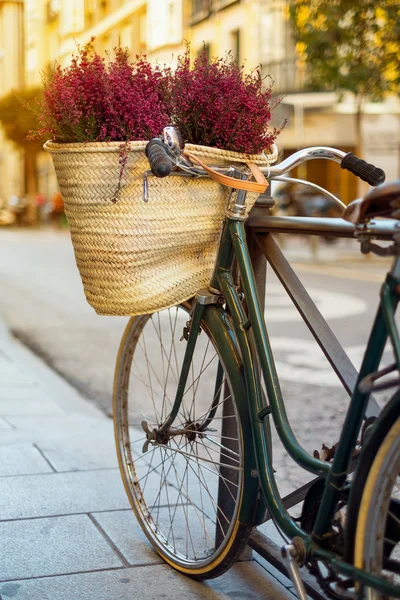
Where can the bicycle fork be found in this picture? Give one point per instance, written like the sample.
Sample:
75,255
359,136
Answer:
165,431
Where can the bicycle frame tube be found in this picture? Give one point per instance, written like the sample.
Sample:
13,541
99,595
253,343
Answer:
191,342
255,401
256,321
382,327
233,243
388,310
234,237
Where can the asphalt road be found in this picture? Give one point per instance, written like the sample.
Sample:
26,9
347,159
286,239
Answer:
42,301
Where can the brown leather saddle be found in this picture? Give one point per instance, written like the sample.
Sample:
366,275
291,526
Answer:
382,201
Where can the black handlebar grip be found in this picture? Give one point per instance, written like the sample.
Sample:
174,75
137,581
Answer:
365,171
160,163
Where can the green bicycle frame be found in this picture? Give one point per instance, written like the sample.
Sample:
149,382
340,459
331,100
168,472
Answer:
335,474
252,337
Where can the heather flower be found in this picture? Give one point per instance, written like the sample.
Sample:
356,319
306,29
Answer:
214,103
96,99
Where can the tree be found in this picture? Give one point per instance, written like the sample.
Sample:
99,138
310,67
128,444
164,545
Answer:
349,45
17,121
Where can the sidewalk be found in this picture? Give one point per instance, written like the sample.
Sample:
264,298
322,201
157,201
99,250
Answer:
66,528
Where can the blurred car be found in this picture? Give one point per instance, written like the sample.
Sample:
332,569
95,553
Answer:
18,206
297,200
7,217
303,201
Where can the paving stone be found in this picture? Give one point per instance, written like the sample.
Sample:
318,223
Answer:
23,401
125,532
191,532
248,581
4,424
62,393
52,546
245,581
22,459
285,581
8,366
12,436
269,529
12,375
71,442
61,494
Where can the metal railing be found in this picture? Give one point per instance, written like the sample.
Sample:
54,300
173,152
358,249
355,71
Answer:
287,75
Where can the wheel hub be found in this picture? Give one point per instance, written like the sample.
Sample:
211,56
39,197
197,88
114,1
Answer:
157,437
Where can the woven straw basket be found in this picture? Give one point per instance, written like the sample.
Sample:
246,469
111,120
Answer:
137,257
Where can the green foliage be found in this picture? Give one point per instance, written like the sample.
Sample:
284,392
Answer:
349,45
18,118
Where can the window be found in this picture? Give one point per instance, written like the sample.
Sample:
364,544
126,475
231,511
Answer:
164,23
201,9
53,9
104,6
235,45
72,17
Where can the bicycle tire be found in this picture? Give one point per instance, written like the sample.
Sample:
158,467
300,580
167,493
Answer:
157,482
373,529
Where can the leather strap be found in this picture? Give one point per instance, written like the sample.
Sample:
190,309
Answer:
259,186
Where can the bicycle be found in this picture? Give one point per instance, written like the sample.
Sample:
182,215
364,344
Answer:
194,440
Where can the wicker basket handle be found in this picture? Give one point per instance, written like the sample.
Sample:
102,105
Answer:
259,186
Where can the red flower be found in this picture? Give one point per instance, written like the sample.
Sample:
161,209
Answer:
215,104
94,99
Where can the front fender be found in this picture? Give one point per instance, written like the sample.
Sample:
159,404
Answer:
220,328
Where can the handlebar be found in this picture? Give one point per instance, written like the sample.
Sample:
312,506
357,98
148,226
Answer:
160,163
367,172
164,154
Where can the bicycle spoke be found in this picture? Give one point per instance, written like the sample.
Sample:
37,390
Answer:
162,348
169,511
173,340
199,375
181,480
159,420
217,474
224,480
216,505
148,473
174,485
151,368
189,498
236,454
220,403
201,458
172,348
172,465
198,380
162,356
202,504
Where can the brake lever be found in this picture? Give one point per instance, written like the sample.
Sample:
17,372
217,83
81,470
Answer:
173,140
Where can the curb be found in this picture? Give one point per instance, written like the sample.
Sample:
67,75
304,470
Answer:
60,391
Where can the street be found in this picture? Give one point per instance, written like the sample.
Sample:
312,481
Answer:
42,302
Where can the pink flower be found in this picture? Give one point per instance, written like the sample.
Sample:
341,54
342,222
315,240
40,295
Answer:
215,104
94,99
212,102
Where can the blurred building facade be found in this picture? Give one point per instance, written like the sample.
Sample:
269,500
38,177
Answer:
260,32
35,33
11,77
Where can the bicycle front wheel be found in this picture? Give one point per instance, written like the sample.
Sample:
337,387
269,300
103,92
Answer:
377,503
186,489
